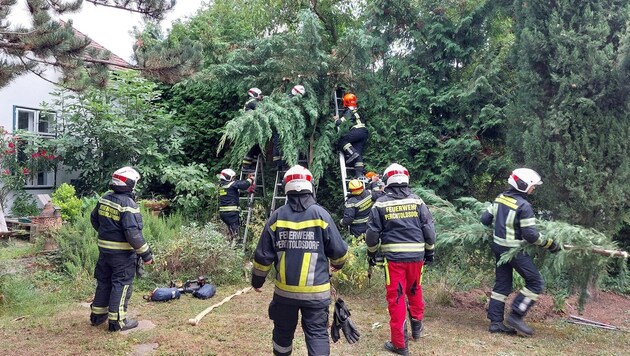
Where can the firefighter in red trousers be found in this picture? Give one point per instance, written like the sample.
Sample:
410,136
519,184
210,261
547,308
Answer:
117,219
401,228
299,241
515,224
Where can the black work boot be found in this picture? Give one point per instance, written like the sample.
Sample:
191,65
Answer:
128,324
516,321
499,327
98,319
416,329
399,351
351,154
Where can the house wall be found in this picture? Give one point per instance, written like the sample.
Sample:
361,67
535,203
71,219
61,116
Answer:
29,91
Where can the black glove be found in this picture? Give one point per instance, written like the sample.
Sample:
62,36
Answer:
139,267
334,329
342,319
428,258
553,246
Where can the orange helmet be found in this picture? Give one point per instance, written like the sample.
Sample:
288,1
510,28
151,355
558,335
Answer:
349,100
370,174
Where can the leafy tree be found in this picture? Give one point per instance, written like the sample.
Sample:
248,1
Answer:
124,124
569,121
50,43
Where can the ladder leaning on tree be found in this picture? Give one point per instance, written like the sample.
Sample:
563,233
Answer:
257,192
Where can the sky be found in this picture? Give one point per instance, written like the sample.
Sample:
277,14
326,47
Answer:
111,27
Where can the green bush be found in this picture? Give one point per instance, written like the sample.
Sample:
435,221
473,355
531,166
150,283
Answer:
65,198
198,251
24,205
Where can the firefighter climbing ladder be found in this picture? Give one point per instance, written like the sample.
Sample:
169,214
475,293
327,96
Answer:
257,192
345,178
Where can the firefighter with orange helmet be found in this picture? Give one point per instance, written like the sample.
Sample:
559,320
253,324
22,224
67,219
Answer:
353,142
514,225
117,219
301,242
357,208
401,228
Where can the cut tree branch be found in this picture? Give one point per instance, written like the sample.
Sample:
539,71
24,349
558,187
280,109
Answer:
601,251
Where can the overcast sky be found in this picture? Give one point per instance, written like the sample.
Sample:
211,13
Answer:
111,27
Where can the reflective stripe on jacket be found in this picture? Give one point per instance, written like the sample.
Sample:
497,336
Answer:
228,194
514,220
300,245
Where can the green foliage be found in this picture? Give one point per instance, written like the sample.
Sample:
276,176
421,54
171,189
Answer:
199,250
24,205
65,198
125,124
195,191
78,250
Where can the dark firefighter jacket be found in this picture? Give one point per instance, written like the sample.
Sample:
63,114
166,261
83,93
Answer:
403,225
117,219
356,118
228,194
357,210
298,240
514,220
251,104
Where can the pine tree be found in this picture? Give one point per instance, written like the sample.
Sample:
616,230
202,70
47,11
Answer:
569,117
50,43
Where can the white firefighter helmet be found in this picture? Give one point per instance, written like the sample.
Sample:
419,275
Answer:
298,90
524,178
396,174
227,174
298,180
125,177
254,93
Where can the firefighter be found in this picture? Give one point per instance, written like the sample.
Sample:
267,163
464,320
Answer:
357,208
255,97
117,219
298,241
229,211
278,160
403,226
514,225
353,142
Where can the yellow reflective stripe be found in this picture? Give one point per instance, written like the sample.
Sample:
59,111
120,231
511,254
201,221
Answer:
302,289
386,265
119,207
510,233
121,306
112,316
382,204
114,245
528,222
497,296
260,267
421,275
358,126
340,260
99,310
306,262
372,248
529,294
429,247
228,208
507,243
282,267
549,242
144,248
403,247
507,201
346,146
299,225
360,221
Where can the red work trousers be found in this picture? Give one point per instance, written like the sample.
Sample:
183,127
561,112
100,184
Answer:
403,279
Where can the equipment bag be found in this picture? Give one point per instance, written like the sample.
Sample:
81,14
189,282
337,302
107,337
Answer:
163,294
205,292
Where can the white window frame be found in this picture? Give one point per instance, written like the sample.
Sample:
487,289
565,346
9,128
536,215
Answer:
49,177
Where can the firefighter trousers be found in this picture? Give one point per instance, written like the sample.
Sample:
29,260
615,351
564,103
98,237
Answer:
357,138
534,284
233,221
314,325
403,280
114,273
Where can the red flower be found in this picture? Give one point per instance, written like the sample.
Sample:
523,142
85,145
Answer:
26,171
6,172
51,156
11,145
35,155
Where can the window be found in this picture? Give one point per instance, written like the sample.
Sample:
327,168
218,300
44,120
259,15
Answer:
42,123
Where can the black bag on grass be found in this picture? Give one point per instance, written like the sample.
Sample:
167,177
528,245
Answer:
206,291
163,294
